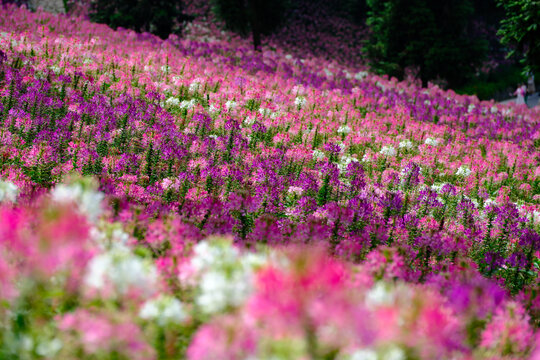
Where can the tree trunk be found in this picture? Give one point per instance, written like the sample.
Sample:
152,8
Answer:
254,24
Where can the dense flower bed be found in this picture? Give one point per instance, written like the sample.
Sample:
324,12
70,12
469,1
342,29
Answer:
185,198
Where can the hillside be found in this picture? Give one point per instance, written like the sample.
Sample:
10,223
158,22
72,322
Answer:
194,198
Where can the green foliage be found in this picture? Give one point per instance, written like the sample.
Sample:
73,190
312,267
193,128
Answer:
429,36
521,30
160,17
497,84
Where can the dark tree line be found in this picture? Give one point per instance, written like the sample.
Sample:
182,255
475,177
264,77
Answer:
160,17
258,17
436,38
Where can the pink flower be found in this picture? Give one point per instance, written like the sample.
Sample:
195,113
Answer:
509,331
99,332
227,339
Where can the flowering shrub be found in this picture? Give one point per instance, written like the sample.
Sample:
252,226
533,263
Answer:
183,198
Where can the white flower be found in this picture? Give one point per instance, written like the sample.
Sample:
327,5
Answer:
27,343
253,260
165,68
536,216
225,276
87,200
195,86
213,297
318,154
264,111
164,309
328,73
8,191
379,294
431,141
207,255
172,101
344,129
56,69
463,171
395,353
471,108
230,105
109,236
300,101
494,110
220,290
344,163
361,75
49,349
406,144
188,104
149,310
363,354
123,270
427,102
248,121
489,202
388,151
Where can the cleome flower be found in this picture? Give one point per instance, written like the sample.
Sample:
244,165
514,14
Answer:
388,151
224,276
83,194
463,171
117,271
8,191
163,309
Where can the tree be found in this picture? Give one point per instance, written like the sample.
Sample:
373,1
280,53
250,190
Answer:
520,29
160,17
433,37
356,9
259,17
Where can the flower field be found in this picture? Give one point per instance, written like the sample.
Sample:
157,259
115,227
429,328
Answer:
194,199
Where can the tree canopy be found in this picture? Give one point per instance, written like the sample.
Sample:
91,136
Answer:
433,37
520,30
